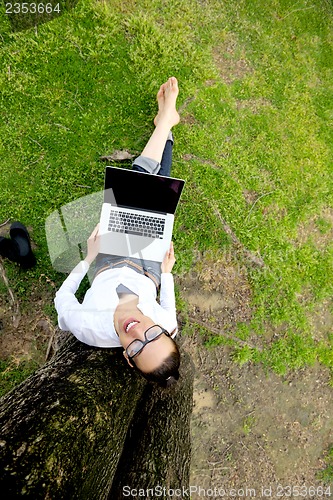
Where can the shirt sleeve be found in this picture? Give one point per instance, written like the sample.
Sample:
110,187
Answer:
66,304
167,297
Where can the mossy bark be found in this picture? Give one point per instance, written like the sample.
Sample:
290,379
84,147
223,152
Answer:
157,449
62,431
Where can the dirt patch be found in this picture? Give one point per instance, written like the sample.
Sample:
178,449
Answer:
189,119
252,429
318,230
230,61
217,291
29,340
321,320
275,212
25,331
253,105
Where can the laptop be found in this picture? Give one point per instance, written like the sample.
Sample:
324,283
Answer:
138,213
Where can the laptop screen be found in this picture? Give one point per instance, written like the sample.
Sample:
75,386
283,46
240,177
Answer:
138,190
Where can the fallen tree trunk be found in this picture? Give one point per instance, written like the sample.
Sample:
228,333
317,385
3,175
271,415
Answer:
158,445
64,428
62,431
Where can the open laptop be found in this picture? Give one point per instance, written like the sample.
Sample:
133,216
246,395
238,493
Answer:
138,213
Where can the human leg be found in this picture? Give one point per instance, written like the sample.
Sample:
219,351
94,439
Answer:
166,161
159,147
147,165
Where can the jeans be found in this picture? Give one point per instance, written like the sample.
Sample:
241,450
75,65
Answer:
149,268
143,164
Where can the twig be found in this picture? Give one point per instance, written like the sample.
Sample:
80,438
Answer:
201,360
218,332
41,157
227,449
74,99
216,469
62,126
14,302
296,10
4,223
50,345
35,142
79,49
81,107
244,446
214,463
254,204
255,259
48,280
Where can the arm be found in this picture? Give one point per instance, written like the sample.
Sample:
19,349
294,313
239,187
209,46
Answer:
167,290
66,304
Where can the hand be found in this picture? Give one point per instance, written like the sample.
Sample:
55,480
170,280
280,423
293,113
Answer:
93,245
169,260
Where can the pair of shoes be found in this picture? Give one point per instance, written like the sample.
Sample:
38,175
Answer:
18,247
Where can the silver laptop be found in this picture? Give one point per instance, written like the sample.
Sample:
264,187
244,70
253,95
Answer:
138,213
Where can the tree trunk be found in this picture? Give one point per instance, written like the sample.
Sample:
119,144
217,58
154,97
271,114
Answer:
62,431
157,448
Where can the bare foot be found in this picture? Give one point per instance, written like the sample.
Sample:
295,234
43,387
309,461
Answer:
160,101
166,99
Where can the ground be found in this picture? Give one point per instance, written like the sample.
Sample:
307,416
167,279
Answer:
251,429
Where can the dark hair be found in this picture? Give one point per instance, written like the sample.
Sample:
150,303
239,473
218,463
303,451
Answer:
167,373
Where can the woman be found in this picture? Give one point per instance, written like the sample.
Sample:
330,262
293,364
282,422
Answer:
120,308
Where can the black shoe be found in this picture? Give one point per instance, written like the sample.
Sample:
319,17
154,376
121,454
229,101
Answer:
21,240
8,249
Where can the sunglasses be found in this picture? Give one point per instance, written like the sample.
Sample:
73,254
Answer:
153,333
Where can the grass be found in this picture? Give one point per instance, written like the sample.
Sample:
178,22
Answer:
256,90
326,474
12,375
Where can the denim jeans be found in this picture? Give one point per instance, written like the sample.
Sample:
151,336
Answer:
143,164
149,268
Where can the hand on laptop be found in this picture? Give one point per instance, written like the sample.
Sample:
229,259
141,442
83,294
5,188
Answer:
93,243
169,260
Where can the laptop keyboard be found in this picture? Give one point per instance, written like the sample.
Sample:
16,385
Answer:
141,225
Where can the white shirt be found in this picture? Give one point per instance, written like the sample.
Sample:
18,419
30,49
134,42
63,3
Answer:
92,321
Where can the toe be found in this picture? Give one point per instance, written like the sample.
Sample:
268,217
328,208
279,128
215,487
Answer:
160,91
174,82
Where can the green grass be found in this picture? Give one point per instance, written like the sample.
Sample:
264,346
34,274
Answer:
326,475
256,78
12,375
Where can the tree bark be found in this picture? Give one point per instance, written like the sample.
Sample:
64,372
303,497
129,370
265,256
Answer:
62,431
156,455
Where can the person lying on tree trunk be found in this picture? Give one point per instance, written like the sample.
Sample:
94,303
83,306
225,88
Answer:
124,289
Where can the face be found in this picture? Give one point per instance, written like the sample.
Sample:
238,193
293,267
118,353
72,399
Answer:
131,324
